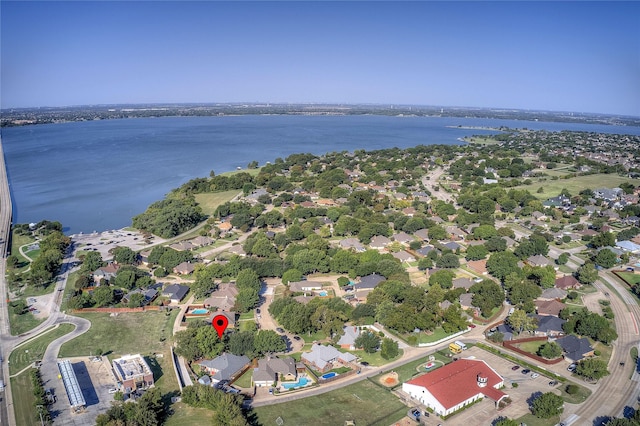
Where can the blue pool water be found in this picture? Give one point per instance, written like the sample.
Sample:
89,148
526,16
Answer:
329,375
301,382
200,311
323,293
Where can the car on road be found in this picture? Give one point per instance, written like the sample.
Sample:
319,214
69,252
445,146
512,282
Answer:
113,390
534,375
280,330
526,371
515,367
257,310
553,383
472,325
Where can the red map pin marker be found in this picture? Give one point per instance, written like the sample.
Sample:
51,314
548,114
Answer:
220,323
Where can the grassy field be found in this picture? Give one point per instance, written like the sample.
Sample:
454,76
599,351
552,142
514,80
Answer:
211,200
146,332
18,241
531,420
34,350
189,416
23,400
531,347
363,402
551,188
630,277
375,359
244,381
22,323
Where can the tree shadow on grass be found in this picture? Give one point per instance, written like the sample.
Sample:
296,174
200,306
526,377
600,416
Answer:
155,368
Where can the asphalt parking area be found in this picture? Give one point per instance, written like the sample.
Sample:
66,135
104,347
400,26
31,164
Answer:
95,379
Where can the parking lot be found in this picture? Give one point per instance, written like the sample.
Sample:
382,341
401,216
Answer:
484,412
103,242
95,380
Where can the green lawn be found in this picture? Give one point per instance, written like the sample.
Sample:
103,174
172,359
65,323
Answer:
631,278
210,201
244,381
144,332
363,402
577,398
163,373
531,420
317,336
409,370
18,241
34,350
23,400
531,347
183,415
551,188
375,359
22,323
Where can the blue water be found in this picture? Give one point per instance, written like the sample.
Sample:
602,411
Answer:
97,175
323,293
329,375
200,311
302,381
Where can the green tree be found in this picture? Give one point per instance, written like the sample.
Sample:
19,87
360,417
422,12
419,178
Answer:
444,278
520,322
476,252
550,350
448,260
242,343
368,341
389,348
562,259
291,275
136,300
605,258
487,296
502,263
592,368
91,261
124,256
103,296
587,273
268,341
547,405
506,422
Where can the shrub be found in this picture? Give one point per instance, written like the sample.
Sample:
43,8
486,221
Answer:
572,389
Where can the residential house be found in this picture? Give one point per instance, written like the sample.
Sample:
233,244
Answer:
229,315
202,241
348,339
182,246
567,282
456,233
466,302
366,285
549,326
539,260
423,251
224,227
323,358
422,234
184,268
478,266
149,295
106,272
353,244
549,307
628,246
379,242
552,293
452,387
463,282
404,256
175,292
224,367
223,298
402,237
452,245
302,286
237,250
575,348
270,370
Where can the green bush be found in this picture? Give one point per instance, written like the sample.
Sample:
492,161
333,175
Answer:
572,389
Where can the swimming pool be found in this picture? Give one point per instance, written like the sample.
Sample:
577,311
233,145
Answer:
302,381
323,293
329,375
200,311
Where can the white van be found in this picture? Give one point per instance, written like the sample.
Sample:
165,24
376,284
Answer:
462,345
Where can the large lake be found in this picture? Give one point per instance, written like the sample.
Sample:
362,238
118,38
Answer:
97,175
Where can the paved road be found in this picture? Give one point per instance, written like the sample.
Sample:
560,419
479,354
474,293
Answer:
6,408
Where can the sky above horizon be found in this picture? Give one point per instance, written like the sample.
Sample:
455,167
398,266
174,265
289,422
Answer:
559,56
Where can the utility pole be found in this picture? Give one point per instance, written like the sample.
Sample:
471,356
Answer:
39,407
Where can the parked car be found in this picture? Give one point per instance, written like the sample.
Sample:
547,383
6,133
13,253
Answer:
534,375
526,371
553,383
296,337
515,367
471,325
572,368
280,330
113,390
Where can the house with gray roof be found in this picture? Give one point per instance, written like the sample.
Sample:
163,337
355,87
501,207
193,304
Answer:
539,260
302,286
352,244
422,234
270,370
224,367
452,245
575,348
149,295
402,237
553,293
175,292
423,251
322,358
462,282
369,282
549,325
224,298
379,242
348,339
404,256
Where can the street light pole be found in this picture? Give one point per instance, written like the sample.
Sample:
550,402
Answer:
39,407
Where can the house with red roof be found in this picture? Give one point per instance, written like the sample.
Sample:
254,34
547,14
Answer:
456,385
